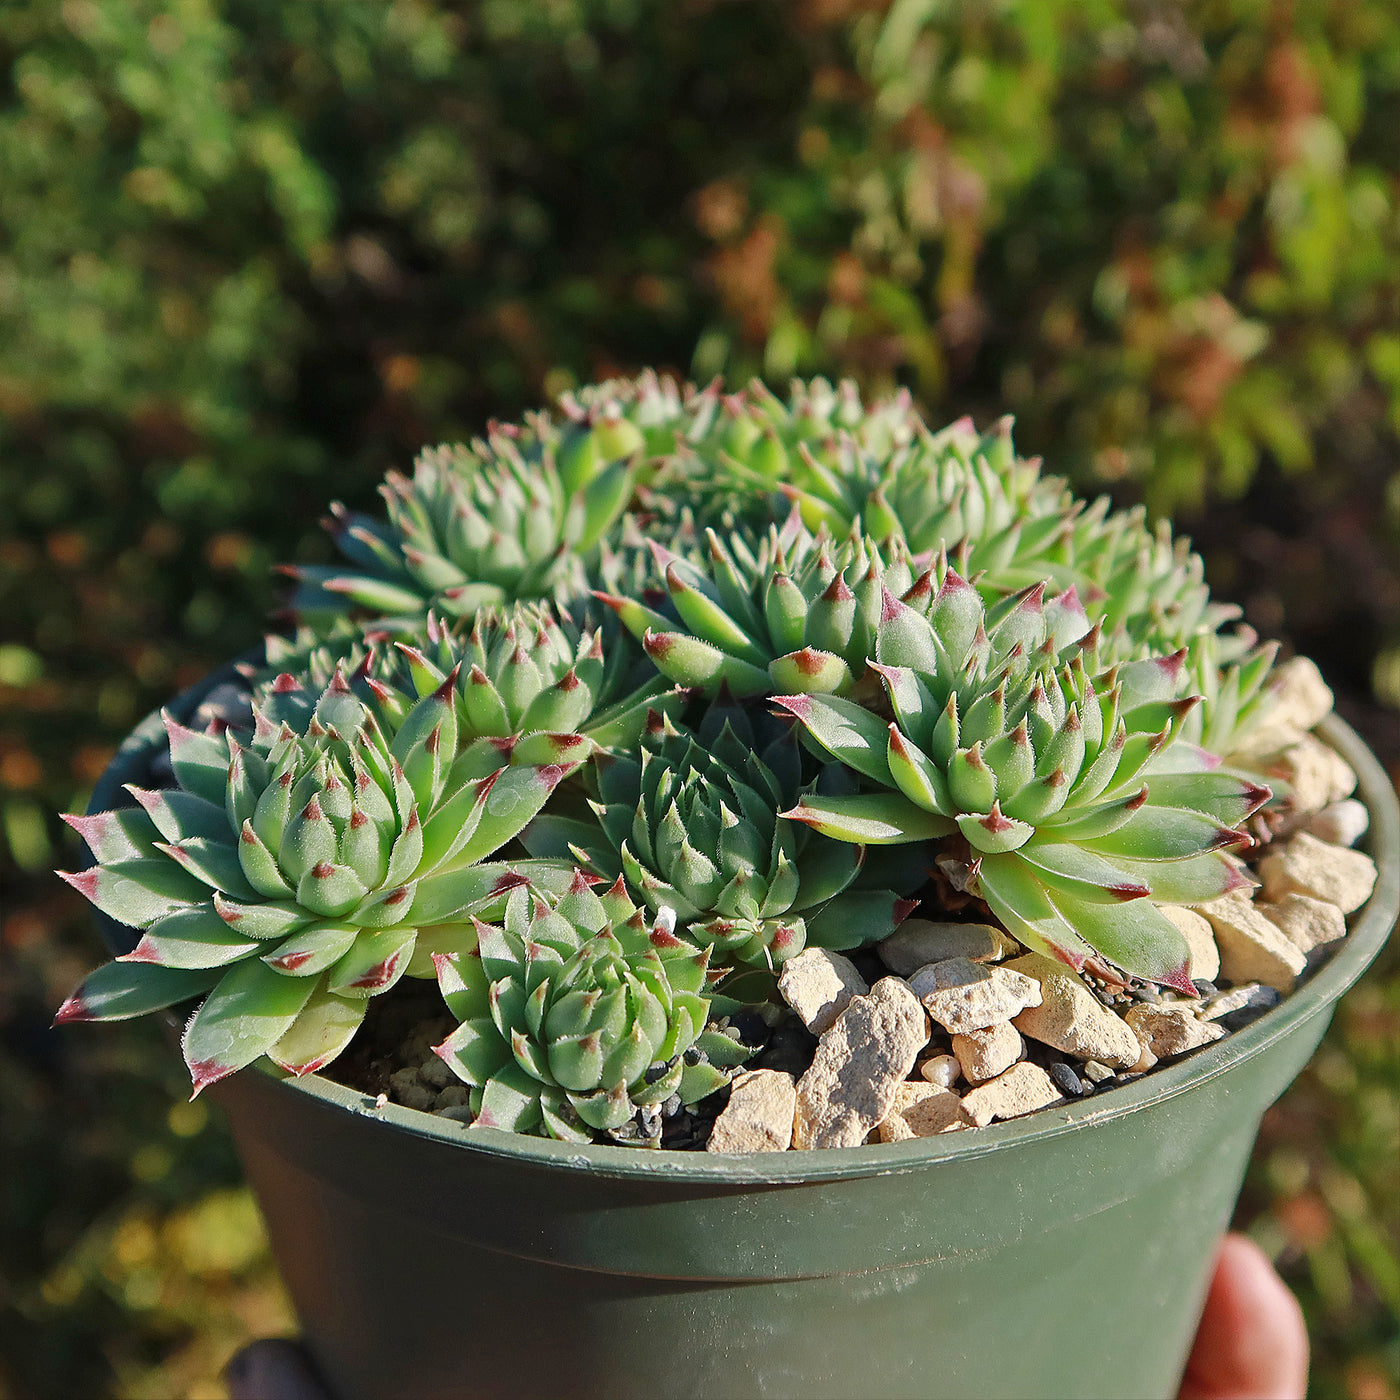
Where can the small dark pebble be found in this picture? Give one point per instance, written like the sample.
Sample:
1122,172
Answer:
1145,993
1261,999
1204,987
702,1118
1317,957
1066,1080
750,1027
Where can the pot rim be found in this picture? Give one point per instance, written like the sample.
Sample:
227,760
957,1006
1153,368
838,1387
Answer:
1315,996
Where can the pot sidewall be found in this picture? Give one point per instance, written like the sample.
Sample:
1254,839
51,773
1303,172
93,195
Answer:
1056,1255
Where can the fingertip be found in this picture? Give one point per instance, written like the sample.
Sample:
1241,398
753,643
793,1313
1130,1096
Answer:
274,1368
1252,1343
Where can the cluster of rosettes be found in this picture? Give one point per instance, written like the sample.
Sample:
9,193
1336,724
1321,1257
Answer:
752,667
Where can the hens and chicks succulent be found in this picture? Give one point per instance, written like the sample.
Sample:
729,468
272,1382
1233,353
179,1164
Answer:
618,709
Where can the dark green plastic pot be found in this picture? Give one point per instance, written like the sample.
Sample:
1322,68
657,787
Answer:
1061,1255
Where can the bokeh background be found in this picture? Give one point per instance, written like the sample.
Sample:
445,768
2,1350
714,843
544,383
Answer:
252,253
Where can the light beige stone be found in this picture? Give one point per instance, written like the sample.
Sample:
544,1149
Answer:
1342,823
1252,949
409,1090
1316,775
1305,865
759,1114
818,985
1264,741
1301,697
1305,921
859,1063
456,1113
962,995
1071,1019
923,1110
1200,939
983,1055
1146,1060
941,1070
1170,1030
918,942
454,1096
436,1073
1021,1089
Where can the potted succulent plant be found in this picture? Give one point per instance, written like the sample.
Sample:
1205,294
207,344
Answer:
773,777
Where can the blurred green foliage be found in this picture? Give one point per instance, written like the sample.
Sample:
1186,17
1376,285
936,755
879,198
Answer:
252,253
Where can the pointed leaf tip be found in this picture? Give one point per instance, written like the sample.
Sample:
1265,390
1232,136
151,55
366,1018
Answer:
610,600
1172,667
83,824
203,1073
444,692
953,581
84,881
798,705
1128,890
72,1010
1032,598
1179,980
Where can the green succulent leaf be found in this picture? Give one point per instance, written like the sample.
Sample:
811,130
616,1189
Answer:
121,990
871,819
242,1018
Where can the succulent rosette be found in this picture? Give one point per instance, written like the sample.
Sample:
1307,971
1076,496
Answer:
532,686
691,821
288,877
969,494
579,1017
746,456
1080,810
513,516
797,613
